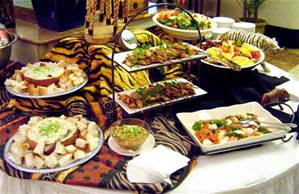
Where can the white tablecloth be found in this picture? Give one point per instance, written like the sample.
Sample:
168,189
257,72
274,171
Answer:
271,168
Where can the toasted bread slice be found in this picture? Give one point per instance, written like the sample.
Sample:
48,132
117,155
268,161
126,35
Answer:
42,74
52,130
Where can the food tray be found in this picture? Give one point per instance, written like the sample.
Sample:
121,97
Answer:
198,92
188,119
57,169
120,58
50,95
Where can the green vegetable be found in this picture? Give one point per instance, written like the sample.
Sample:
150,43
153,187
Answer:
219,123
233,128
263,130
49,127
234,134
197,125
169,84
132,130
238,43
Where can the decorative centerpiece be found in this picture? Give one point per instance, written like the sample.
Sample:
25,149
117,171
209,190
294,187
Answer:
104,18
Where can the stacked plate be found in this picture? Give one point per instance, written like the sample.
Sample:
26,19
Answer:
224,22
247,26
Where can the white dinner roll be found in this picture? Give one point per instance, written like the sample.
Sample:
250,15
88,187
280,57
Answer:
51,160
81,143
79,154
39,148
65,160
70,148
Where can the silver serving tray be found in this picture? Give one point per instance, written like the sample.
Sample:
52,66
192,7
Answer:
22,95
51,170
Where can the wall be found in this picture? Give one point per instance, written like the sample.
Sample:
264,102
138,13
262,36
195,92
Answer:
283,13
23,3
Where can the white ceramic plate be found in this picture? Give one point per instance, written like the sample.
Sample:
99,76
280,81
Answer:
7,158
184,34
146,146
188,119
22,95
121,57
262,58
198,92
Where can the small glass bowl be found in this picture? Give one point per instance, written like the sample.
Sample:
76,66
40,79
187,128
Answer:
129,139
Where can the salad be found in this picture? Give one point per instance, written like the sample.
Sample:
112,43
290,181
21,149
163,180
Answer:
228,129
229,51
181,20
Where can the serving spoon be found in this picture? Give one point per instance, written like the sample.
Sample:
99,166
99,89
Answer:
231,65
246,123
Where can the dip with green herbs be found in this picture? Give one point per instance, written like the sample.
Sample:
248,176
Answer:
129,136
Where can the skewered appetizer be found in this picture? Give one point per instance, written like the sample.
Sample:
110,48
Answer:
181,20
228,51
53,142
159,92
45,78
146,55
229,128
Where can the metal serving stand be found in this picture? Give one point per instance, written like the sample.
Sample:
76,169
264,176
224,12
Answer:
284,138
125,26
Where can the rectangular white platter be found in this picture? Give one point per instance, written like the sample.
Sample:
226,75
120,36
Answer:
121,57
189,118
198,92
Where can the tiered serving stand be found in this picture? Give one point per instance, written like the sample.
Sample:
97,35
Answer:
200,39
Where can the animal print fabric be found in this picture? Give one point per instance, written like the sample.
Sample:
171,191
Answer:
107,169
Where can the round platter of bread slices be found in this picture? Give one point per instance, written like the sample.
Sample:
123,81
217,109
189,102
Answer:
52,144
46,80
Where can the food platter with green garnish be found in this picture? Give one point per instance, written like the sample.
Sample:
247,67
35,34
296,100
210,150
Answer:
144,57
149,97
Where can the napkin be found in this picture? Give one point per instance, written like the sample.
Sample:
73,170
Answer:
155,166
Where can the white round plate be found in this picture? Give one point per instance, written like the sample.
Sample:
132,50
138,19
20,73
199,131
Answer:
50,95
51,170
262,58
184,34
147,145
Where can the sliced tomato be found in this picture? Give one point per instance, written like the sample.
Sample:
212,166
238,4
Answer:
255,55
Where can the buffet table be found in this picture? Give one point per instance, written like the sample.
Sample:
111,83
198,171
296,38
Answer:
271,168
